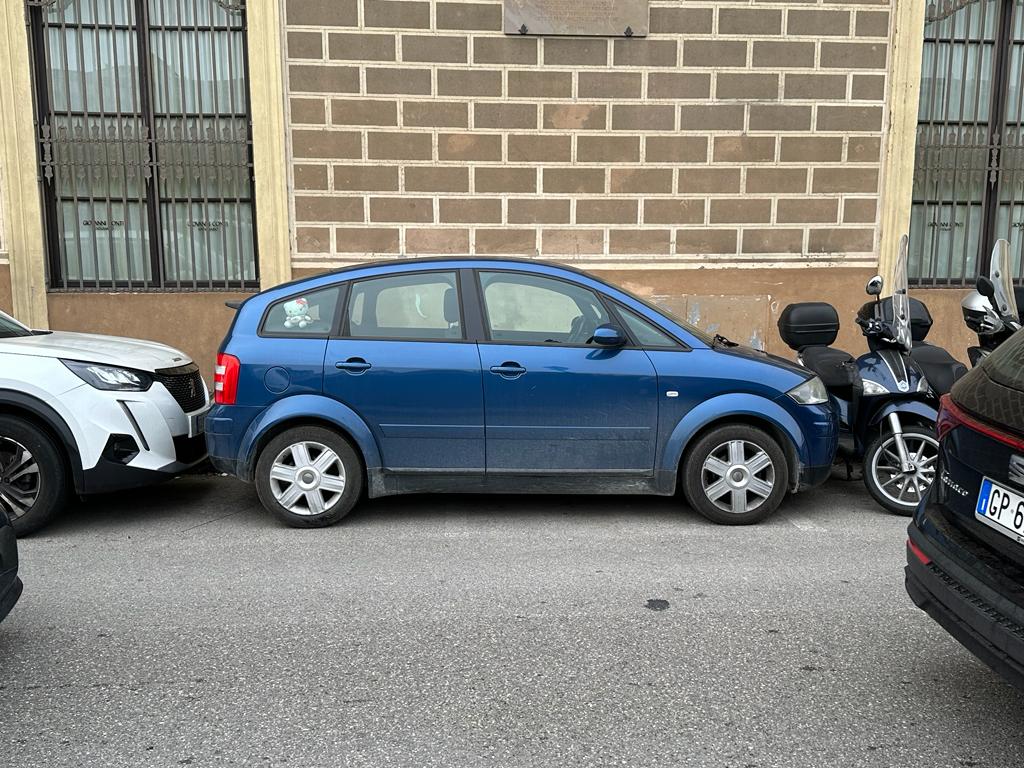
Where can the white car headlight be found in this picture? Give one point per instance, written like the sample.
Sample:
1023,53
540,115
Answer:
810,392
110,377
923,385
873,388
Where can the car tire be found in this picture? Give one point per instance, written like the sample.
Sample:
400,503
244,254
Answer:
309,477
921,441
735,475
33,475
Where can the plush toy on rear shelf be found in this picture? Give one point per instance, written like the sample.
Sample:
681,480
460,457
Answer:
297,314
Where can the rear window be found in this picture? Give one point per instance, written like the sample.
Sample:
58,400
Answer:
1006,365
310,315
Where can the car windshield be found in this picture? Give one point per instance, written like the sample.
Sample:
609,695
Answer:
11,328
704,336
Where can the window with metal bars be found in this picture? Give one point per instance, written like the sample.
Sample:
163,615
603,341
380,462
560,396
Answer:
144,144
969,165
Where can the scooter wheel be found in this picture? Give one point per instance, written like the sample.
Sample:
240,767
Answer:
898,491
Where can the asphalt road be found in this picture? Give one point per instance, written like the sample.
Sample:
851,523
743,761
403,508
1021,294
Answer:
183,626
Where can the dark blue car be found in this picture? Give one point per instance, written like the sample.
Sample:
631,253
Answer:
488,375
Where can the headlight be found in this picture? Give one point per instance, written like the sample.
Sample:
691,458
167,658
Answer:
811,392
873,388
923,386
110,377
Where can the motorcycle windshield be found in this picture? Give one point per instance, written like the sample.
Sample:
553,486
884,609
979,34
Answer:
901,299
1001,274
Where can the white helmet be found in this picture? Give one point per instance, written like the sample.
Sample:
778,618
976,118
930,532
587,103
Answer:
979,315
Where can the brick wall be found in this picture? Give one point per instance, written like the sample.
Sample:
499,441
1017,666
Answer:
737,132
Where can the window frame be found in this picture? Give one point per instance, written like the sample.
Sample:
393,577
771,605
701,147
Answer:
678,346
343,289
344,330
154,225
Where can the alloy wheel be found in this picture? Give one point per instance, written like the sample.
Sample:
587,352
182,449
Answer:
307,478
19,478
905,488
738,476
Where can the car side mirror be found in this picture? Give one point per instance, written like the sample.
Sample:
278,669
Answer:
609,335
874,286
986,287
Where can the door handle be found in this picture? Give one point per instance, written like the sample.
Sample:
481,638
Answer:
355,365
508,370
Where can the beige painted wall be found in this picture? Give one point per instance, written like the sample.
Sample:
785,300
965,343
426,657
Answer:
5,288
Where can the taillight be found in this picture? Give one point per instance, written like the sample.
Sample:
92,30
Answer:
225,379
948,417
951,415
918,552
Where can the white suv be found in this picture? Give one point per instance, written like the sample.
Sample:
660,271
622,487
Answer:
89,414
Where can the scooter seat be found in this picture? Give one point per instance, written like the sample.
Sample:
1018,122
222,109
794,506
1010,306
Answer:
834,366
939,367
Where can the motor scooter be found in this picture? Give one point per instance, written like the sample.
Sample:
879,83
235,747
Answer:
991,309
886,407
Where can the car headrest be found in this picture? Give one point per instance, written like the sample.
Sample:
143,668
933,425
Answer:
451,306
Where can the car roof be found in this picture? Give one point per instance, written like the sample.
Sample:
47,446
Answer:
462,261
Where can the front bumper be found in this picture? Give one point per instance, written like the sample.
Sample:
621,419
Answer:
965,591
10,591
812,477
10,584
131,439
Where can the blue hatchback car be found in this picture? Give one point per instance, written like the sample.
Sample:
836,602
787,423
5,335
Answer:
510,376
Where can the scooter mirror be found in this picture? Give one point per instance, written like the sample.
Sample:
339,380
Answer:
874,286
986,287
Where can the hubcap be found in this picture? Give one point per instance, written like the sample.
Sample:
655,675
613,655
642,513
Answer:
738,476
19,478
905,488
307,478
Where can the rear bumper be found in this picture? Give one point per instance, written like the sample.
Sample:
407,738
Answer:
963,595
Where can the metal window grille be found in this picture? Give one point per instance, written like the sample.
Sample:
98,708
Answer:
969,165
144,144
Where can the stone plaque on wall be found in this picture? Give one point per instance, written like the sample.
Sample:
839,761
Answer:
608,18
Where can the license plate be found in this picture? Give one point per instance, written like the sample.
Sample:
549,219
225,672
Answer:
197,424
1002,509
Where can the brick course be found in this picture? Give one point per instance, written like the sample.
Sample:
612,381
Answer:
734,131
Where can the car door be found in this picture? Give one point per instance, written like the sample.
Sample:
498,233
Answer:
553,402
404,365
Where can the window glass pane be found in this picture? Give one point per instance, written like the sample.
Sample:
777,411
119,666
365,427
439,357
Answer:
944,241
191,13
309,315
537,309
973,19
418,306
92,70
85,12
105,241
203,158
198,72
208,241
646,333
96,157
956,81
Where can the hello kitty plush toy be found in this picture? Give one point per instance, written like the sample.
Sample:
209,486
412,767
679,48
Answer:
297,314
